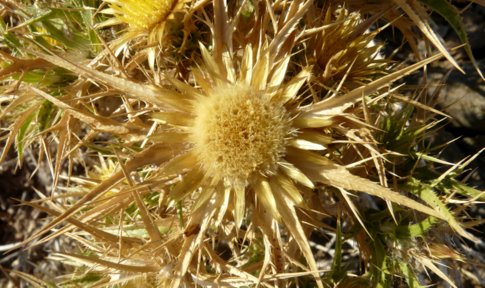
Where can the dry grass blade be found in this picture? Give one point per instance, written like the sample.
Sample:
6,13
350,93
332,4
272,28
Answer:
266,259
241,275
420,105
458,166
429,264
90,261
65,131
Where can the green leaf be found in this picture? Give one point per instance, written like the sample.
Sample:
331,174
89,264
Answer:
409,276
75,41
454,186
415,230
427,194
45,114
248,10
88,278
180,213
336,271
380,267
8,38
20,137
41,77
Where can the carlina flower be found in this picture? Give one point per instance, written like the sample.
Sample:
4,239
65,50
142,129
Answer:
344,50
243,137
146,19
239,132
246,142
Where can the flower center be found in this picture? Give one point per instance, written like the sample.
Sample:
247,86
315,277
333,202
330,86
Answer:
144,15
238,132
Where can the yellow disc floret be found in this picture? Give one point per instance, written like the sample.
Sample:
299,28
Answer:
238,132
144,15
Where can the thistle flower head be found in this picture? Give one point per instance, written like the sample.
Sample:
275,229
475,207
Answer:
239,131
143,18
345,48
244,143
143,15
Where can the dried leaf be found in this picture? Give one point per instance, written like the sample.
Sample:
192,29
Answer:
342,178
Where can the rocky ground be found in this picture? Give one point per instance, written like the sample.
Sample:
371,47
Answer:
19,221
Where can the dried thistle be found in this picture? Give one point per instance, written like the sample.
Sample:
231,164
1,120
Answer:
344,49
150,22
217,170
